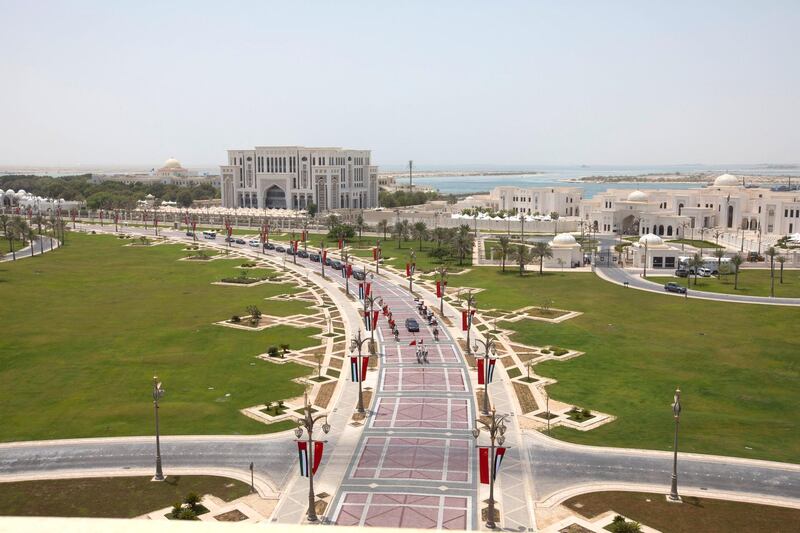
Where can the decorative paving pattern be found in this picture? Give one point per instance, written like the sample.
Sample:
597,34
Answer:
437,354
421,412
421,511
414,458
424,379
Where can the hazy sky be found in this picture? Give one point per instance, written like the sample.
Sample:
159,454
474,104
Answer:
523,83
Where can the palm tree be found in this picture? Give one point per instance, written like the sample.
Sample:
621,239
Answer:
463,243
542,250
360,225
719,253
401,230
39,220
332,221
30,235
522,256
771,252
420,232
502,249
8,225
781,259
736,261
383,226
695,262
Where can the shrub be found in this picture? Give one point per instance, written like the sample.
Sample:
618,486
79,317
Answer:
585,413
559,351
192,499
186,513
620,525
272,351
255,314
545,351
248,265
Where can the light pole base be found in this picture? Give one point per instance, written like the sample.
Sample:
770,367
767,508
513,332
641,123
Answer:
676,499
158,478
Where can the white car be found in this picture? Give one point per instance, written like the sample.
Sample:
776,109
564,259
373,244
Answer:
255,243
704,272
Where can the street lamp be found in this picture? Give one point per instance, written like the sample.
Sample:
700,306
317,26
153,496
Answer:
355,344
676,413
411,267
307,423
158,393
488,346
471,301
496,428
442,272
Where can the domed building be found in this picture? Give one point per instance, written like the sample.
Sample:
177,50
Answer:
172,169
566,252
726,180
652,250
638,196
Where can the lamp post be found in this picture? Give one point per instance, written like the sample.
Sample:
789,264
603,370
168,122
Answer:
369,305
471,301
411,267
676,413
488,346
442,272
355,345
496,428
378,256
307,423
158,393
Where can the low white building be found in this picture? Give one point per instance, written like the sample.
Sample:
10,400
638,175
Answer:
537,200
24,201
566,251
654,252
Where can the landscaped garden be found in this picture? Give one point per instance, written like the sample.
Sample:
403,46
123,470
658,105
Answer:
85,330
694,514
110,497
752,282
735,363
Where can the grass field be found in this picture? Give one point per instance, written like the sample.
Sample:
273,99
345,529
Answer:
693,515
86,328
735,363
752,282
398,256
110,497
697,243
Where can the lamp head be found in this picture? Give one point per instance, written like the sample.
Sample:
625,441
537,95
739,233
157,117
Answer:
476,432
326,427
500,440
298,432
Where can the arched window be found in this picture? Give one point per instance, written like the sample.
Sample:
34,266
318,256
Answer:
669,231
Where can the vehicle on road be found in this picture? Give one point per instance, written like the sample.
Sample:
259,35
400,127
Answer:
704,272
229,239
336,265
190,234
269,246
290,250
412,325
754,257
314,258
360,275
302,253
328,261
280,249
240,241
255,243
209,234
712,264
674,287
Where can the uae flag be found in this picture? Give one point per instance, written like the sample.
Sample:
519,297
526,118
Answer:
408,270
439,290
360,291
370,319
101,214
303,235
341,243
324,255
194,225
343,270
367,289
186,219
349,269
294,243
415,342
376,253
302,450
483,459
358,369
485,374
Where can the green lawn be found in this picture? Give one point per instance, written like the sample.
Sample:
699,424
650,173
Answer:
697,243
752,282
736,363
86,328
694,514
109,497
398,256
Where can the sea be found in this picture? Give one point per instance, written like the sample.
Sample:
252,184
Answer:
562,176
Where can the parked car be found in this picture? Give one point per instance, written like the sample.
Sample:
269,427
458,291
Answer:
681,272
229,239
280,249
412,325
190,234
255,243
290,250
704,272
269,246
360,275
302,253
336,265
240,241
314,257
674,287
328,261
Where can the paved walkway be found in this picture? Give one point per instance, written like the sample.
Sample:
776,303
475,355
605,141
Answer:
41,245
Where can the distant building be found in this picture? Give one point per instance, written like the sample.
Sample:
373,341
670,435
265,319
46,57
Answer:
528,200
294,177
172,173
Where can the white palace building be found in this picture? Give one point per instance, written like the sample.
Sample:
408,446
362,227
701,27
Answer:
294,177
725,204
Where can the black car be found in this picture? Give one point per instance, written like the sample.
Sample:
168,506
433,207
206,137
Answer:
412,325
314,257
280,249
674,287
241,241
336,265
229,239
328,261
302,253
269,246
360,275
189,234
290,250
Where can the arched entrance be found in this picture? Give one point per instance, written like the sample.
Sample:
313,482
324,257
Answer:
630,225
275,198
730,217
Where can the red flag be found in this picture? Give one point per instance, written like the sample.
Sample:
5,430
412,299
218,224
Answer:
375,319
438,289
374,254
367,288
408,270
295,245
483,463
349,270
324,255
464,320
364,365
318,447
413,343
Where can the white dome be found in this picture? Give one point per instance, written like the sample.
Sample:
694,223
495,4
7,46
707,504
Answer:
21,193
172,163
650,239
638,196
564,239
10,191
726,180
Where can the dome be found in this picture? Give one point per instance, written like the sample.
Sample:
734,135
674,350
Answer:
21,193
650,239
10,191
564,239
638,196
726,180
172,163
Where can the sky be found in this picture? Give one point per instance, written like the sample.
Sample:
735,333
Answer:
440,82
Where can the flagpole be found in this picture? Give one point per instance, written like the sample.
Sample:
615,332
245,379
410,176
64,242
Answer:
355,344
307,423
488,346
496,428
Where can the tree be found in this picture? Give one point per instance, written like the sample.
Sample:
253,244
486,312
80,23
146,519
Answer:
719,253
502,248
463,243
31,236
781,259
420,231
255,314
736,261
522,256
696,262
401,231
529,366
541,250
332,221
360,225
771,252
184,198
312,210
383,226
8,231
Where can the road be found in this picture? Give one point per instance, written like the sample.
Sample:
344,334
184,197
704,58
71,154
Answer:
557,467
